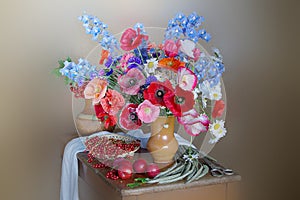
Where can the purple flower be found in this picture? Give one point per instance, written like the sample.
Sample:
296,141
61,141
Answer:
150,79
108,62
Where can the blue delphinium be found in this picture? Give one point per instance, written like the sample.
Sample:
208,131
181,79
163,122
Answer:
183,26
212,71
97,29
79,73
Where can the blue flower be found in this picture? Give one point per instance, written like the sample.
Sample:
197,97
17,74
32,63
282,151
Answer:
95,27
79,80
93,74
80,72
186,28
141,27
180,17
108,73
142,54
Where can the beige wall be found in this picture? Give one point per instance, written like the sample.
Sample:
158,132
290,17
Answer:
259,41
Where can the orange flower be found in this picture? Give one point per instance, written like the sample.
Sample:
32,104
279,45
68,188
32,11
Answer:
170,63
104,55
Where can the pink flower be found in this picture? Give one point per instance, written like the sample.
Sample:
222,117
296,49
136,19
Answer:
188,116
147,112
112,102
187,80
196,53
131,39
193,123
130,83
95,90
128,118
195,127
124,60
171,48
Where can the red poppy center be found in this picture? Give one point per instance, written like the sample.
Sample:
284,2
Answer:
159,93
179,100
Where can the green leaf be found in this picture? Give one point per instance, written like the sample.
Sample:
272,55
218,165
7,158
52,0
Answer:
142,180
56,72
68,81
133,185
69,59
61,64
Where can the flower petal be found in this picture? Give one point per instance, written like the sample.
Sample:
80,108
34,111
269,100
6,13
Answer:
112,102
188,116
195,128
187,80
147,112
95,90
131,81
187,47
125,120
218,109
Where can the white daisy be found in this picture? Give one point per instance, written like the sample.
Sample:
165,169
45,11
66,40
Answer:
212,93
151,65
215,92
190,158
217,130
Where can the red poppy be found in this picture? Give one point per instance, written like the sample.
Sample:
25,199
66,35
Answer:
131,39
109,120
171,63
218,109
99,111
157,90
179,102
128,118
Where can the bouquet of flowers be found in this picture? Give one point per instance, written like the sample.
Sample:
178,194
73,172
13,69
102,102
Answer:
137,80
